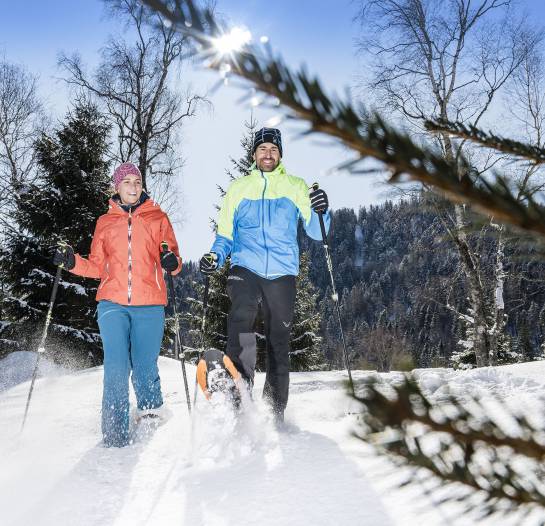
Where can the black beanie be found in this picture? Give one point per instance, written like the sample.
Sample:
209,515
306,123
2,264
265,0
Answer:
271,135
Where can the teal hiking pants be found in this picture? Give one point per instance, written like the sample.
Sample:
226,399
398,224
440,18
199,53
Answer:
131,338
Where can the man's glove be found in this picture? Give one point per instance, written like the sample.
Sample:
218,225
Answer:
318,201
64,255
169,261
208,263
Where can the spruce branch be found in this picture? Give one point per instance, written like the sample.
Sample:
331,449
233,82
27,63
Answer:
458,442
490,140
368,136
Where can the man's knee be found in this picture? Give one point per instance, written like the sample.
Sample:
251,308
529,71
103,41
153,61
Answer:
279,344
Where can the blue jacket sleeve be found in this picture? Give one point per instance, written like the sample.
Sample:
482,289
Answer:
222,247
313,227
224,237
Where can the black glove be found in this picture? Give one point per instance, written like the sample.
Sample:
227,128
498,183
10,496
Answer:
169,261
318,201
208,263
64,255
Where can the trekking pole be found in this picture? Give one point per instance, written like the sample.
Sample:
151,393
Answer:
41,346
178,347
203,327
334,295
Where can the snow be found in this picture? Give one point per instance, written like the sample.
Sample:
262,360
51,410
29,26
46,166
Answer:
218,471
77,288
18,367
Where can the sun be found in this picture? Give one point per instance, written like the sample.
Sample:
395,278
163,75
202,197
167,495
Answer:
233,41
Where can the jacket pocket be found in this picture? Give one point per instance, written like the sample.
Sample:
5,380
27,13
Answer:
105,278
248,214
157,277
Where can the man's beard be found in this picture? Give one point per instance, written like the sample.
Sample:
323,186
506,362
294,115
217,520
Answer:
267,169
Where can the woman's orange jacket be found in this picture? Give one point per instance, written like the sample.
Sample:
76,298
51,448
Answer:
125,255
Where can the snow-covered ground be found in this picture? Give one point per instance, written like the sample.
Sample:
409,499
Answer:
216,472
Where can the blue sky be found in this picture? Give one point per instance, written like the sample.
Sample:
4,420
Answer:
318,33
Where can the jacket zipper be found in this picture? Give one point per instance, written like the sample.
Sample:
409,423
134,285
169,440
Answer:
263,224
129,290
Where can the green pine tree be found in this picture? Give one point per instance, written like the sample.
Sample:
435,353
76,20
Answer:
215,333
306,353
63,204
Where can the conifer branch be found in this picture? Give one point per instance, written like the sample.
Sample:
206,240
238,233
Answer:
490,140
368,136
458,442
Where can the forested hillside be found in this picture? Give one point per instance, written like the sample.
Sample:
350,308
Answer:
403,296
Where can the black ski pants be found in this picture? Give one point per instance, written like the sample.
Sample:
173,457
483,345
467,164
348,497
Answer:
245,289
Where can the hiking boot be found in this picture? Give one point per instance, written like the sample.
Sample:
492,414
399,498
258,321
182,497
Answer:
278,419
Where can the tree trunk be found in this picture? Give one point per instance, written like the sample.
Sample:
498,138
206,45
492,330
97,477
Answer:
477,293
143,164
499,306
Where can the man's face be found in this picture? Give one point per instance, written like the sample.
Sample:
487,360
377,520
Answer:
267,157
130,189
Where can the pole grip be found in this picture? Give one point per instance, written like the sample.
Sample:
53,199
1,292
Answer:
170,281
314,187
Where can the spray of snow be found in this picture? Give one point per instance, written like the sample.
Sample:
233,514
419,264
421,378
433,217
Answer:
18,366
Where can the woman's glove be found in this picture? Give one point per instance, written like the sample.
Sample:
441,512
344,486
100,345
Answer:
64,255
169,261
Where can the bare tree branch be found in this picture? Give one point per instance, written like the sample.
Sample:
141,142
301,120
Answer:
21,120
133,82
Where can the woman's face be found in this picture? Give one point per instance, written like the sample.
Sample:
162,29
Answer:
130,189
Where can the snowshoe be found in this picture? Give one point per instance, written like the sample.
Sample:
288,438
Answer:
217,374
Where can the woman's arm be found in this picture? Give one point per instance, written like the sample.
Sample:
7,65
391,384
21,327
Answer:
93,265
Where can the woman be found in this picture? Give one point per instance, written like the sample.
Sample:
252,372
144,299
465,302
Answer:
126,256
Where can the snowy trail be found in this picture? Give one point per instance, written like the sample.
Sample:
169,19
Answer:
305,479
248,473
56,472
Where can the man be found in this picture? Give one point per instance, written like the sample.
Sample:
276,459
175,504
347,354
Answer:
257,225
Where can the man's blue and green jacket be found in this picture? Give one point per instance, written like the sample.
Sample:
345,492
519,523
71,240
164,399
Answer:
258,221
